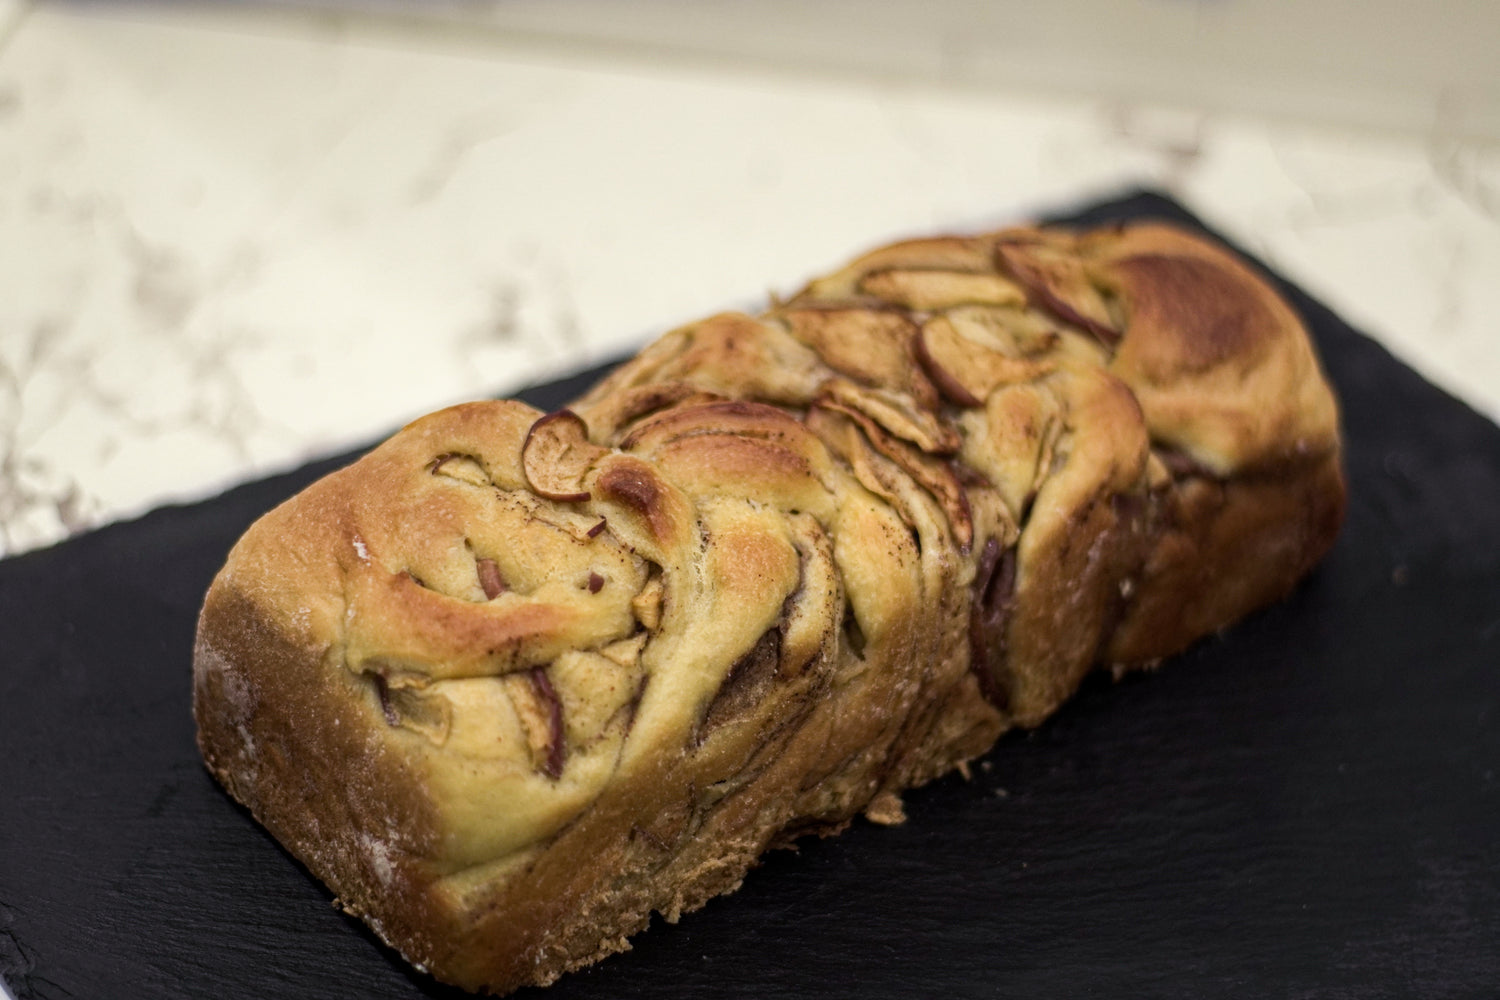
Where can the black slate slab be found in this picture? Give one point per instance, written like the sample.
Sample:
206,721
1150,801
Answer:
1306,805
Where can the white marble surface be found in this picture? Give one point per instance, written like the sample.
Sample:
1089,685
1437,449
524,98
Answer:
234,239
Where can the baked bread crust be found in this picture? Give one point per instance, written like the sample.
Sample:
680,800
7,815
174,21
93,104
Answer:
514,681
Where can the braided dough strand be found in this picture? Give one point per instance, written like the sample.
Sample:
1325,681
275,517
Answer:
514,681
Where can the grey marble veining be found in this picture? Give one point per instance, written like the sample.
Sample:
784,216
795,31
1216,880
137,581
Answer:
209,272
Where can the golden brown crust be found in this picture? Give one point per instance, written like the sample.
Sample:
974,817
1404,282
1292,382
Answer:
515,681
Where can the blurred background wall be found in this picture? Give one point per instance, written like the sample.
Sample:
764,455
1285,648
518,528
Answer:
235,235
1403,64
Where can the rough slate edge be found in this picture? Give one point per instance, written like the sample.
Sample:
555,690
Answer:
1316,815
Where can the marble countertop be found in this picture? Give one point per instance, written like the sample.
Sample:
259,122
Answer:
233,239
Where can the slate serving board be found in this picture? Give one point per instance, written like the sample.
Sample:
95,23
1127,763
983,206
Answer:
1305,805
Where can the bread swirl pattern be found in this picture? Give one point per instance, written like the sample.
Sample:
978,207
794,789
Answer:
514,681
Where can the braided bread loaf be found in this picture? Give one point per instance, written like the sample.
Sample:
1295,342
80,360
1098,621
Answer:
512,682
